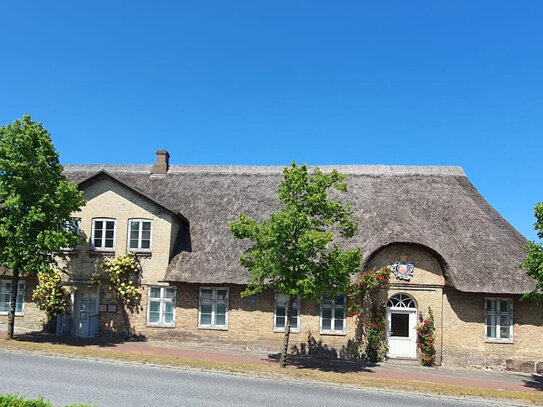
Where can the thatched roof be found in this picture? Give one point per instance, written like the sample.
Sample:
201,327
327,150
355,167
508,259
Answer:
436,207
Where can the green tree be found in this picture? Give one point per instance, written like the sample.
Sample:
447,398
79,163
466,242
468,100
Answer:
293,251
36,200
534,258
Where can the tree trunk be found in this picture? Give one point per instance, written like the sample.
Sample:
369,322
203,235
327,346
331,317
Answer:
126,318
284,350
13,303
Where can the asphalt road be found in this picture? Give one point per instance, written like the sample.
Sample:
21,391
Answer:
102,383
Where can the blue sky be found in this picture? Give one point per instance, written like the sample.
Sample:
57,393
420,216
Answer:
261,83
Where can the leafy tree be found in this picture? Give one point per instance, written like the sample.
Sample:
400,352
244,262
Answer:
534,258
36,200
293,251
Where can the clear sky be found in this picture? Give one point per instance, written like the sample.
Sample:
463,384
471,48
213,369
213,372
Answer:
261,83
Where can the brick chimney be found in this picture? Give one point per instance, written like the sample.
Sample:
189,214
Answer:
162,163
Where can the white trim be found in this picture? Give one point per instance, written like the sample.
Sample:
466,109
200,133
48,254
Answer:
4,283
333,331
162,300
213,301
497,314
140,232
104,249
296,307
412,331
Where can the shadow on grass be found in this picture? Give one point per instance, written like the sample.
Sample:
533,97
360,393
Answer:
534,382
101,341
314,354
326,365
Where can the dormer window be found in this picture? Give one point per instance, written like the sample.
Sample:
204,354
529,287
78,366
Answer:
139,234
103,234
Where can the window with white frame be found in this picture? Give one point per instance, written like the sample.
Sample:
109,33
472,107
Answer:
161,306
5,297
103,234
139,234
333,314
499,319
280,314
213,309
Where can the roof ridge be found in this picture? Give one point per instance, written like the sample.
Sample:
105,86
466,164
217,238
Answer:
388,170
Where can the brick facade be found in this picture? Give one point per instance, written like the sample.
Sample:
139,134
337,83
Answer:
459,316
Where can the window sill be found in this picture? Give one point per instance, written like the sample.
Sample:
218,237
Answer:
160,326
141,253
214,328
17,314
292,331
334,333
500,341
98,252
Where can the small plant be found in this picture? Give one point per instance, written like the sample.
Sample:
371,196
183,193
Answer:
49,295
426,340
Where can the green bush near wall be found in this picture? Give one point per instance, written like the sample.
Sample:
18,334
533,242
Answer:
13,400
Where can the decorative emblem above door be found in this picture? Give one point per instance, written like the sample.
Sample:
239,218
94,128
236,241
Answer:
403,270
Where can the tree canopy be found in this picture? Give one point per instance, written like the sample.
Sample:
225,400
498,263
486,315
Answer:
294,251
36,201
534,258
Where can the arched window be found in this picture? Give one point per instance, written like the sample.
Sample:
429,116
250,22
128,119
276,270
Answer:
401,301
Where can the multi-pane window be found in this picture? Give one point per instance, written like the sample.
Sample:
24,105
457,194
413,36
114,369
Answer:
139,234
5,296
499,319
103,234
72,226
280,314
213,310
333,314
161,306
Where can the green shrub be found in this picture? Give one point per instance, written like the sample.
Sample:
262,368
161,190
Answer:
14,400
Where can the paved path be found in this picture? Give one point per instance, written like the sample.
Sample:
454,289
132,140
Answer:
391,370
107,383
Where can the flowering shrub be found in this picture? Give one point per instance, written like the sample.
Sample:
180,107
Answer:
123,275
426,338
363,292
374,334
368,284
49,295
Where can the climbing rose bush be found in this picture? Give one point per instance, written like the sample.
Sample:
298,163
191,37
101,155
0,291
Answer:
369,283
363,292
426,340
49,295
123,274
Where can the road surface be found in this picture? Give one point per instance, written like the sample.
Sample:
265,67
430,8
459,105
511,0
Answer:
103,383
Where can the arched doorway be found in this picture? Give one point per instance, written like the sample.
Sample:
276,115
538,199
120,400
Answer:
401,326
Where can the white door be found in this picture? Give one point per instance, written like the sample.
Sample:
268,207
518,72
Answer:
401,327
86,313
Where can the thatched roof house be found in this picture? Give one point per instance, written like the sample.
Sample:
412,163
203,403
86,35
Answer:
435,207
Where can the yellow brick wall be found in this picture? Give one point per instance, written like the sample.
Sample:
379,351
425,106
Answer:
250,323
464,332
33,319
108,199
